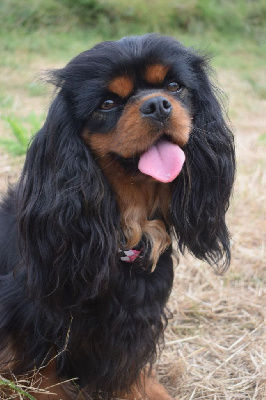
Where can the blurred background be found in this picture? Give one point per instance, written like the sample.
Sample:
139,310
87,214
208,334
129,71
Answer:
42,34
215,343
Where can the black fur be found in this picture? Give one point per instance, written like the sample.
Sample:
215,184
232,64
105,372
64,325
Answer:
63,288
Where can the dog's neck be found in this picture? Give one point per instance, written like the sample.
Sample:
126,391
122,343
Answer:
144,206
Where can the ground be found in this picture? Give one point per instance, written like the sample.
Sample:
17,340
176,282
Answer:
215,341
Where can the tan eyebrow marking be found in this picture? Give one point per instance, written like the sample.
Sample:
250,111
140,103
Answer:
121,85
156,73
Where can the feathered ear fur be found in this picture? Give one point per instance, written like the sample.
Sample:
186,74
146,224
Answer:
202,190
64,208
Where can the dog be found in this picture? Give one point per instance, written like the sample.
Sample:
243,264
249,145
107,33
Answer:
135,154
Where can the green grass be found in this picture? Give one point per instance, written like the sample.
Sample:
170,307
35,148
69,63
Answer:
15,388
35,89
6,100
60,29
22,131
51,32
258,85
113,17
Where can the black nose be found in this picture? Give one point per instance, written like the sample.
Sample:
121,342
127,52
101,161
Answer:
157,107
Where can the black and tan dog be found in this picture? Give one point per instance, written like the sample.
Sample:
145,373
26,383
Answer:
134,153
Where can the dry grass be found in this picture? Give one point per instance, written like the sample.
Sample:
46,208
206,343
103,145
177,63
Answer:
21,388
216,341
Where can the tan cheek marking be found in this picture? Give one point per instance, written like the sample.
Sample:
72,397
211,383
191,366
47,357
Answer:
122,86
180,123
156,73
98,142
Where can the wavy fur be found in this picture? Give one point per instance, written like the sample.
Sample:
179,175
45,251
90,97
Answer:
63,288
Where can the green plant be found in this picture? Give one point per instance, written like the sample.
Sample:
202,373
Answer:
116,17
22,130
88,11
15,388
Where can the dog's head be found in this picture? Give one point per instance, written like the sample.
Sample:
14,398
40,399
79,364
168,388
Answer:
135,147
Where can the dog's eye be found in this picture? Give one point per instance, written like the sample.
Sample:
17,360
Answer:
108,105
174,87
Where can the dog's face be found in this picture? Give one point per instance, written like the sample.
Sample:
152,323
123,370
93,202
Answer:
143,118
135,100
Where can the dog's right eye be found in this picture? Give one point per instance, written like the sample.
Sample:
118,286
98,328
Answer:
108,105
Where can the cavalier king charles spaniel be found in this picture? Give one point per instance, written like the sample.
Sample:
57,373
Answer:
134,155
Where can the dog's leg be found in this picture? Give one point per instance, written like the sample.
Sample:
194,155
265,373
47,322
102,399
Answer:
49,382
148,389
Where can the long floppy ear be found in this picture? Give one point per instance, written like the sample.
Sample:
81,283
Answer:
202,190
67,216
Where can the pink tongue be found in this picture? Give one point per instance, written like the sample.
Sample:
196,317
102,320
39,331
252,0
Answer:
163,161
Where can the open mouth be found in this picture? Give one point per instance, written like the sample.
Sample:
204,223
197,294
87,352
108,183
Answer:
162,161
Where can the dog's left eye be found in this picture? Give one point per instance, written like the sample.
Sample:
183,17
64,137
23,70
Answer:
108,105
174,87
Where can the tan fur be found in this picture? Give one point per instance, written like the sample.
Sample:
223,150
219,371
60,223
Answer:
156,73
138,197
148,389
121,85
160,240
50,382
